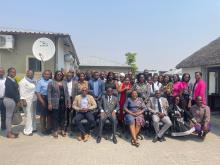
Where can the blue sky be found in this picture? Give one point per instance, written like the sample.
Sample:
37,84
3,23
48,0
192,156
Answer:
161,32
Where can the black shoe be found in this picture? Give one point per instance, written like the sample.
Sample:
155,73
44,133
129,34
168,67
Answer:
155,139
98,140
115,141
204,135
200,134
47,132
163,138
34,131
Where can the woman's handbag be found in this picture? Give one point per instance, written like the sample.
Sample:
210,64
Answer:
16,118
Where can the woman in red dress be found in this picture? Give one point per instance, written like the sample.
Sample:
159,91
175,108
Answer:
124,89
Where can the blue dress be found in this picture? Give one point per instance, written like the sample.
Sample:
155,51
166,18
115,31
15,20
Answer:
134,106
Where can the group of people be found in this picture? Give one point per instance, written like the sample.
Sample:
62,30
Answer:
64,99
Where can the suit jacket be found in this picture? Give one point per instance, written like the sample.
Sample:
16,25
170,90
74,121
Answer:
101,88
53,93
114,104
77,103
153,101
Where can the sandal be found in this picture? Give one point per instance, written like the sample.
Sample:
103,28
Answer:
135,143
140,137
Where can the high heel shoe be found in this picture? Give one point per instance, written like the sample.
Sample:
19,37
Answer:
134,143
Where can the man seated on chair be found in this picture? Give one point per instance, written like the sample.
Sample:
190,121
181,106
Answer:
109,105
158,106
83,105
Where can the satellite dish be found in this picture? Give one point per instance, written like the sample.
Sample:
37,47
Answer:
43,49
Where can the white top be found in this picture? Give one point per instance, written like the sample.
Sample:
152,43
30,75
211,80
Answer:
157,86
84,102
27,90
2,87
69,86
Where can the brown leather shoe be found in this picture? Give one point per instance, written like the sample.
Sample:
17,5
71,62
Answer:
86,138
12,135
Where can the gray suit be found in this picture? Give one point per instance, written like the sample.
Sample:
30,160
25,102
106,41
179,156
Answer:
107,107
153,108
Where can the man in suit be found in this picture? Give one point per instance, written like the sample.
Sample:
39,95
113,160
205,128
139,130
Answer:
73,91
96,86
109,105
84,104
158,106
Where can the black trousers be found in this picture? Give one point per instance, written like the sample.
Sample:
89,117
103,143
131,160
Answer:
3,114
58,117
67,118
102,121
84,115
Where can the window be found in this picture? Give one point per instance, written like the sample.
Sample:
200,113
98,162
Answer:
34,64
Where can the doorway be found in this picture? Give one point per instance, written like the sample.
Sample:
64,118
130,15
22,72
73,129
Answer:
213,91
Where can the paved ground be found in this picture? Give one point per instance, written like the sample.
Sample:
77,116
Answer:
44,150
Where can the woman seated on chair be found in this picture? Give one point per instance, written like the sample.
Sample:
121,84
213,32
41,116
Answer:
177,113
134,108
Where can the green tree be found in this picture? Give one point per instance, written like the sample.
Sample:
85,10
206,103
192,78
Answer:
131,60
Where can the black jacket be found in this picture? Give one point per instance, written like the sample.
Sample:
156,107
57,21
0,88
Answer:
11,90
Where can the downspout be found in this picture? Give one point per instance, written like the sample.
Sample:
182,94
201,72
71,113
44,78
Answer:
56,54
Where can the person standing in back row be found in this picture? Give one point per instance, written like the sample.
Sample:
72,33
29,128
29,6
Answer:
199,88
11,100
41,92
28,100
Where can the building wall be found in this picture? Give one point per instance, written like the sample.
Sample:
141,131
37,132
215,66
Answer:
22,50
192,71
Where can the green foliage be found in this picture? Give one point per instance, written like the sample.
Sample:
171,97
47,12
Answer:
131,60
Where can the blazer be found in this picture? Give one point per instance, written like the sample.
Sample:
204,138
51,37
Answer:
53,93
199,90
11,90
77,103
153,101
103,105
101,88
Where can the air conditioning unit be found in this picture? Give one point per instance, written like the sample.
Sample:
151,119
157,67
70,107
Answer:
6,42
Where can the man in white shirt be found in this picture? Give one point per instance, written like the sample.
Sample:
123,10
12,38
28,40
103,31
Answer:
156,85
27,95
73,90
2,94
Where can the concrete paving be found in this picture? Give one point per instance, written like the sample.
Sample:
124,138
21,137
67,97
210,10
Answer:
45,150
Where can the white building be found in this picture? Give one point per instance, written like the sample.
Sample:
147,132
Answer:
16,50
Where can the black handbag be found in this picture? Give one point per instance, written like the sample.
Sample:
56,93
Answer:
16,118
